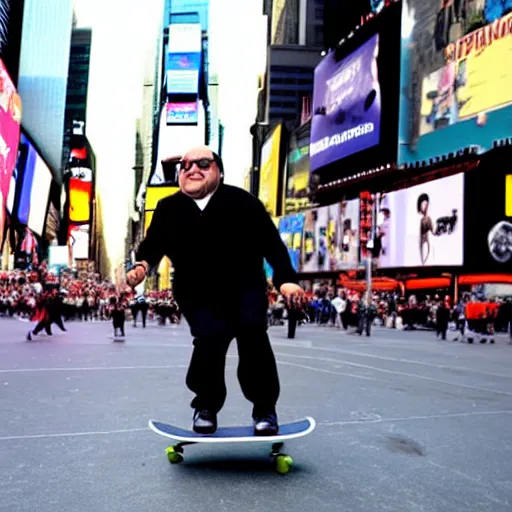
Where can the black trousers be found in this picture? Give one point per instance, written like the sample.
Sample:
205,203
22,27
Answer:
257,369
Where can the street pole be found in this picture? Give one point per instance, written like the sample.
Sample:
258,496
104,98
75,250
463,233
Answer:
369,248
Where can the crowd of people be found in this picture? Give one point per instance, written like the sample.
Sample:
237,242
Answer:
344,308
41,297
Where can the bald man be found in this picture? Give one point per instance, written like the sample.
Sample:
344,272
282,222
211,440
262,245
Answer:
217,237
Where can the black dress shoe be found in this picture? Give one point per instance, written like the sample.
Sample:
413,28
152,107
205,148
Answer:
266,424
205,421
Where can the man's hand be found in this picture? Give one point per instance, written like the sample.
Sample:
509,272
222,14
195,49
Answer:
290,290
136,275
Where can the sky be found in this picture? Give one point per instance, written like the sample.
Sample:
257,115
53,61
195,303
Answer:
123,33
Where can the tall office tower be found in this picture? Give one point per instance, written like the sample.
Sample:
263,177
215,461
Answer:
75,116
293,22
114,106
43,74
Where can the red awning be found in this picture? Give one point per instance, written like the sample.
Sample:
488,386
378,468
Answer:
485,279
428,283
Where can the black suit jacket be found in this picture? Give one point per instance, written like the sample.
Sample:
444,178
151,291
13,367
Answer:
218,255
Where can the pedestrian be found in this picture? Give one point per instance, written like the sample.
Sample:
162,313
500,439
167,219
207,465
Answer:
117,312
199,229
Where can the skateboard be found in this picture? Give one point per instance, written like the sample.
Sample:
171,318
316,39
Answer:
238,434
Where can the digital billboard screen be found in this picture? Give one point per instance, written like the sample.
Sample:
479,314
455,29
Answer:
182,113
269,173
10,119
346,105
422,226
26,167
456,85
41,182
183,73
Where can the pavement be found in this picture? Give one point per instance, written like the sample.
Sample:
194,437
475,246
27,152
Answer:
405,423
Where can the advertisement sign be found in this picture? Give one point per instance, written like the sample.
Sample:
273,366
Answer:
291,229
299,180
346,105
331,238
39,195
10,119
80,195
25,170
422,226
269,173
269,272
183,73
182,113
455,81
185,38
472,81
78,241
488,244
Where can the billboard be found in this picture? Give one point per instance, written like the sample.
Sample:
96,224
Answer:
455,88
291,229
331,238
185,113
346,105
10,119
421,226
39,195
472,81
183,73
300,182
80,195
488,217
269,172
183,61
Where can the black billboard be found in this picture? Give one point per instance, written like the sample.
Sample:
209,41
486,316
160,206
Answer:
488,215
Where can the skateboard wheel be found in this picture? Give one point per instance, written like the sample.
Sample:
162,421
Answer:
283,464
491,342
174,456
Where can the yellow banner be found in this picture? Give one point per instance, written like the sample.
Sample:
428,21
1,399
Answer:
154,194
269,172
508,195
477,77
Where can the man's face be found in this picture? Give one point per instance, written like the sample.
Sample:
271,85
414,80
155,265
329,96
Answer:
199,174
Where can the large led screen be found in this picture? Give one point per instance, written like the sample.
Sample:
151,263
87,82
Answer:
269,173
80,196
331,238
10,119
422,226
456,77
42,180
25,170
488,217
346,105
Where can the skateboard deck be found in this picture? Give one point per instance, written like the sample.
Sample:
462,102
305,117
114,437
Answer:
236,434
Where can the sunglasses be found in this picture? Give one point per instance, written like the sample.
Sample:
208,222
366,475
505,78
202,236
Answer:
202,163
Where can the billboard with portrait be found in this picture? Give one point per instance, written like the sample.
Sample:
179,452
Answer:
422,226
488,243
346,105
269,173
455,90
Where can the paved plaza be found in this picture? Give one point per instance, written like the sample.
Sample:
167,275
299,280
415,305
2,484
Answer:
405,423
